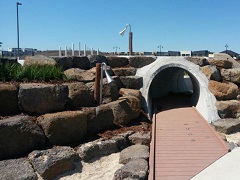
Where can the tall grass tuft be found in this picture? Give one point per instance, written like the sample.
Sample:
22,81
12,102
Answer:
15,72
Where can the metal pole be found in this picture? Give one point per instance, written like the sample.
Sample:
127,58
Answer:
97,83
92,51
101,84
116,47
226,47
79,49
18,30
160,49
130,43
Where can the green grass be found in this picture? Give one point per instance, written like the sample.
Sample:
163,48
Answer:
16,72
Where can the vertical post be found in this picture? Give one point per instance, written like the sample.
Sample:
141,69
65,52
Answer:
98,51
60,51
85,49
97,83
65,51
72,49
130,43
79,49
91,50
18,30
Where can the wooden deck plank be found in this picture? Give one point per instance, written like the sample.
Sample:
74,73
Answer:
184,144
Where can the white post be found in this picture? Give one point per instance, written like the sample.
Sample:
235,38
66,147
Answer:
66,51
85,49
91,50
60,51
98,51
79,49
72,49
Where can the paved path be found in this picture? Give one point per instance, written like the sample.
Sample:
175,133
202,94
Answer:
183,144
227,167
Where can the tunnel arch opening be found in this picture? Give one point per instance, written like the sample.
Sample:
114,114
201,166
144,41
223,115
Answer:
165,75
174,87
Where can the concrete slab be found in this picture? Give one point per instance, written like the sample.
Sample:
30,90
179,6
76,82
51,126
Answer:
224,168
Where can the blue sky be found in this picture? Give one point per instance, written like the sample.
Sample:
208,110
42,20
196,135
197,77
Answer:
175,24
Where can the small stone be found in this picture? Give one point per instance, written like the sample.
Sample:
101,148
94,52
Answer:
143,138
227,126
135,169
134,152
51,163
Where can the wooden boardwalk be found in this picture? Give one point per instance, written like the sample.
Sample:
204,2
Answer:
183,144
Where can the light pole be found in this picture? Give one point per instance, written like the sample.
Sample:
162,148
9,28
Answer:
130,37
116,49
2,49
160,48
18,4
226,46
98,85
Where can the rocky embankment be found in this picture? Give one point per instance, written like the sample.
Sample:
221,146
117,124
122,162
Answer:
47,129
224,84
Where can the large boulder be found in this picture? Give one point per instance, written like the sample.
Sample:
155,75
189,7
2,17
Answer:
118,81
228,109
64,62
223,91
135,105
97,148
15,169
232,75
227,126
80,96
81,62
139,62
39,60
130,92
94,59
51,163
211,72
132,82
221,63
8,99
134,152
201,61
19,135
100,118
80,75
117,61
122,112
125,71
135,169
110,91
42,98
64,128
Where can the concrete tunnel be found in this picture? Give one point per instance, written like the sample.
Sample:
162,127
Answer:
176,75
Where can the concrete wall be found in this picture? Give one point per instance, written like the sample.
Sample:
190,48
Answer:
164,73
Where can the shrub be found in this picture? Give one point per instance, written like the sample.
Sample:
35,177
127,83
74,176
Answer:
16,72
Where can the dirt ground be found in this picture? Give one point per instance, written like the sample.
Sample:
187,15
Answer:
99,168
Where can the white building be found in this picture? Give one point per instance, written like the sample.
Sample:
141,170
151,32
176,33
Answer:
186,53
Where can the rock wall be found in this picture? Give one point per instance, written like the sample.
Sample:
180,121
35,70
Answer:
62,114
